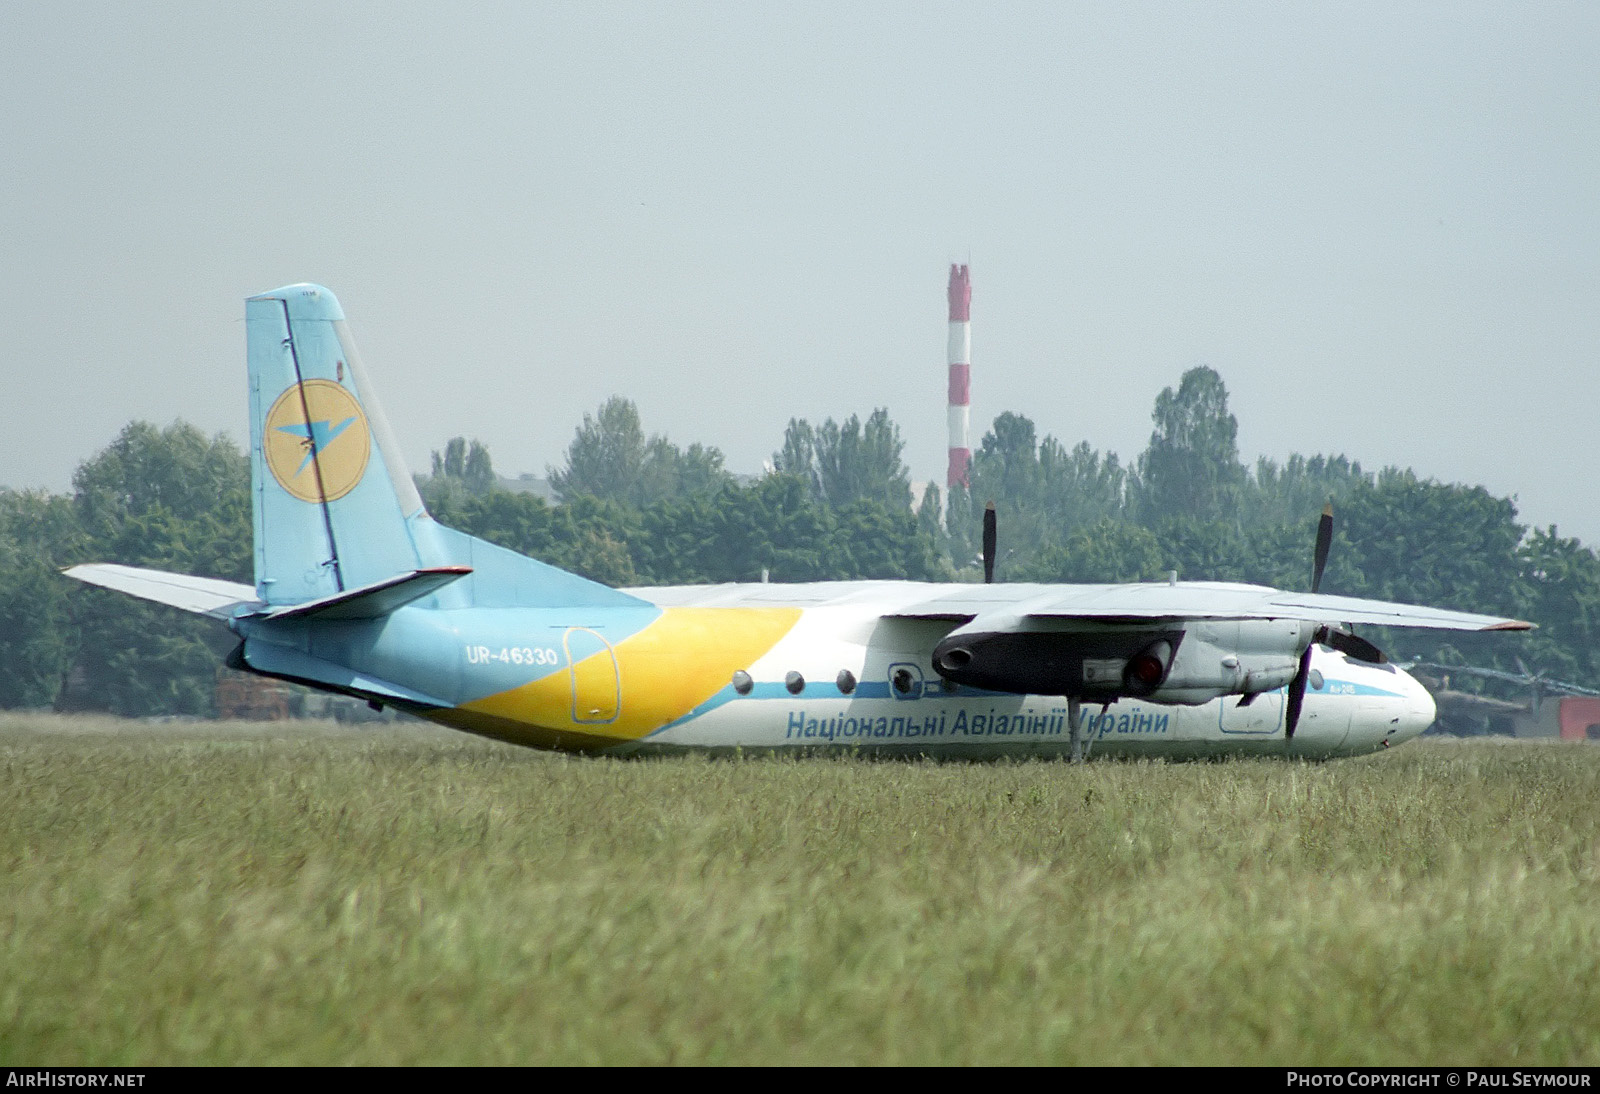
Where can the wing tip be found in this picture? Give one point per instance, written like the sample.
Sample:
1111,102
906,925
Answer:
1512,625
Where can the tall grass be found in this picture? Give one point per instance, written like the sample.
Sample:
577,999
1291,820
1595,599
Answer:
221,893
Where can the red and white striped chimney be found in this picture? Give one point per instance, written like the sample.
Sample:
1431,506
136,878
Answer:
960,376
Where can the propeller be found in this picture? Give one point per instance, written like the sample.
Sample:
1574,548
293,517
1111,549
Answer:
1297,695
1324,542
990,535
1344,640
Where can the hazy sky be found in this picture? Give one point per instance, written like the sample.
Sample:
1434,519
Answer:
1380,223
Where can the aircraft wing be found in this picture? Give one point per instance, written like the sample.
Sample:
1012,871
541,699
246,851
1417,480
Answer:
201,595
1383,613
1135,603
1215,600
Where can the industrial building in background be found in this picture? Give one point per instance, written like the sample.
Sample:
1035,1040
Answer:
960,377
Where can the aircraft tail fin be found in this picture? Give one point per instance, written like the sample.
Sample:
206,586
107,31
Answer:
336,511
332,498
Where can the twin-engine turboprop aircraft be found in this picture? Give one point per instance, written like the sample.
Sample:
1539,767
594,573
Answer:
358,591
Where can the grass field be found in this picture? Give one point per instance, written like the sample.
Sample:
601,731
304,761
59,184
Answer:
232,893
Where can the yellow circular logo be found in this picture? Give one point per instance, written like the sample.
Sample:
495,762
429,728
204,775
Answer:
316,441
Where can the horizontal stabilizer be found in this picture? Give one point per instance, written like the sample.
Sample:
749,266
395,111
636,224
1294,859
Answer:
376,599
201,595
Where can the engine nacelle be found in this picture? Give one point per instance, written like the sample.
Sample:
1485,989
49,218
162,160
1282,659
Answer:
1185,665
1233,657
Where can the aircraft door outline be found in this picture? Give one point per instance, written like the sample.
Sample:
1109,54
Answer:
593,676
1263,717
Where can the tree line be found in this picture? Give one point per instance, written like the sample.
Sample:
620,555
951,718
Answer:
635,509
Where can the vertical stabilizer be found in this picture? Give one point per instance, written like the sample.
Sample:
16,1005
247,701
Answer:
335,508
331,494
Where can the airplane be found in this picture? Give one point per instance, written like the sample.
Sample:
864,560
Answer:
358,591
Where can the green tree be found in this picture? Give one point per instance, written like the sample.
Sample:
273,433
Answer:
1559,589
798,456
1005,470
606,458
849,462
611,458
964,529
1301,486
1078,487
38,533
1426,542
172,499
1447,545
1107,552
1191,466
169,499
670,472
875,541
679,543
1043,491
586,536
463,468
930,522
773,526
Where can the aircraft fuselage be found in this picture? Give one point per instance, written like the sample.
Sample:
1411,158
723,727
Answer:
841,678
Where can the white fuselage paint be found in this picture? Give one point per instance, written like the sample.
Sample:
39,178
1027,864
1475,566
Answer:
1359,708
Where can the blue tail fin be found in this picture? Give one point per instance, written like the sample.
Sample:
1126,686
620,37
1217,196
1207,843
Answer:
335,508
331,495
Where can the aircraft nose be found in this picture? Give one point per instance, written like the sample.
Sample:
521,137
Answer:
1418,713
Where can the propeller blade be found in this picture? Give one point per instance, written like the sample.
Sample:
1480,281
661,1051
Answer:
1324,542
1297,686
990,535
1297,695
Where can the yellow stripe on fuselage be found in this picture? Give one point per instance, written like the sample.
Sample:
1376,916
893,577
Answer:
663,672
